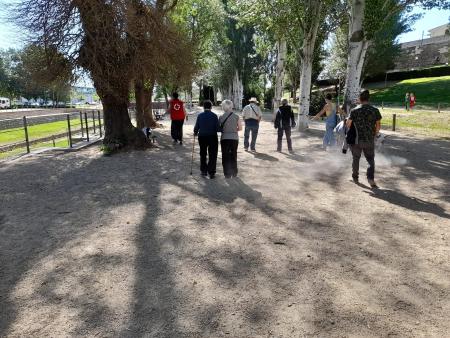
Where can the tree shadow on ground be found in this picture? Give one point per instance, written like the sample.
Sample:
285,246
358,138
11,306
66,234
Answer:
407,202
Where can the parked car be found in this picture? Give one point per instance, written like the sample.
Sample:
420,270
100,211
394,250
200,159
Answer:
5,103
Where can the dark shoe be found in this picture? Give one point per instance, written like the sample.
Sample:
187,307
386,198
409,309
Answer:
227,176
246,149
181,143
175,141
212,176
355,179
204,174
279,150
372,184
291,151
253,150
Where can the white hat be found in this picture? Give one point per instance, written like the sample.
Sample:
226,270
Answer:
253,99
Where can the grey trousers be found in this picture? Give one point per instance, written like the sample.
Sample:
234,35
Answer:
287,131
368,149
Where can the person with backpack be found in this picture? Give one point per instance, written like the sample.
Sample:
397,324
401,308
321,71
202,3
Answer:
284,122
363,125
207,127
330,110
229,124
252,116
177,115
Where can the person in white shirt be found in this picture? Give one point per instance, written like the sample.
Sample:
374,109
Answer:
252,116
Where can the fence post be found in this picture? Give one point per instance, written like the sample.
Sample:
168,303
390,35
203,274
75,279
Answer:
25,129
100,123
394,121
439,107
53,140
87,127
82,126
69,130
382,105
93,119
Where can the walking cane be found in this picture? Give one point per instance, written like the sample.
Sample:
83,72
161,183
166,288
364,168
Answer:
192,158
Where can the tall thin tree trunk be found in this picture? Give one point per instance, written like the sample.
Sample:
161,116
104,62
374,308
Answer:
309,43
144,115
279,74
237,90
358,46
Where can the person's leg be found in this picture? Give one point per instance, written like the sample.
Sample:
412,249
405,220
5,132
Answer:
331,137
246,135
212,153
254,136
225,157
180,131
203,152
173,130
233,157
280,139
356,153
288,138
369,154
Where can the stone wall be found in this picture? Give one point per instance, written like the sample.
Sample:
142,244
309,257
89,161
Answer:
424,53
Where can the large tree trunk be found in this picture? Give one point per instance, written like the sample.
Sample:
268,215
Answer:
144,114
119,132
307,57
279,75
357,53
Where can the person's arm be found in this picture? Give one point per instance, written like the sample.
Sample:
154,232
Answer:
377,127
217,125
276,123
349,123
239,125
324,109
292,118
196,127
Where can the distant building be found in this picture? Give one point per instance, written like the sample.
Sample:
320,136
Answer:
440,31
431,51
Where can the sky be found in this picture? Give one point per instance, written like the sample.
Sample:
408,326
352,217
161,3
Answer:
11,37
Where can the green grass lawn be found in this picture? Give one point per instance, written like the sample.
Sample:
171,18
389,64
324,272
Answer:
62,142
38,131
428,123
429,91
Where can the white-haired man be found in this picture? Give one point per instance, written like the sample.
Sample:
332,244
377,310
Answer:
252,116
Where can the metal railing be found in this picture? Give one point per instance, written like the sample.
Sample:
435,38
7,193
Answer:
31,133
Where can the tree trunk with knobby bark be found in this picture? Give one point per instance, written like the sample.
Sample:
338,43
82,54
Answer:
358,46
279,75
144,113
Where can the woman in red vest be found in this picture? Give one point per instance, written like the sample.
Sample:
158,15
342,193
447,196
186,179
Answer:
412,101
177,115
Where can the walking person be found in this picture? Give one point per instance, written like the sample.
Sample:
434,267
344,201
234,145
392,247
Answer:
252,116
177,115
407,98
365,119
330,109
412,101
206,127
284,122
230,124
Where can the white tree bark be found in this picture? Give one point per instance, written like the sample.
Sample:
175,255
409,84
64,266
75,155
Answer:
309,43
237,90
358,46
279,74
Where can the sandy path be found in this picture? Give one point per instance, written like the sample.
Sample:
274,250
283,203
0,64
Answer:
132,246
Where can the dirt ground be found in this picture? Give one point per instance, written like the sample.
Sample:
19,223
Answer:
133,246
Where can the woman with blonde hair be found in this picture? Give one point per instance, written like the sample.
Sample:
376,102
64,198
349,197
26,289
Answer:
229,124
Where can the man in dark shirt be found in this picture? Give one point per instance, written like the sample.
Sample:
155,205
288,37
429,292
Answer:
206,128
367,121
284,122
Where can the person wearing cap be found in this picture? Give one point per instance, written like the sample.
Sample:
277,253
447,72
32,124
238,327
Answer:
252,116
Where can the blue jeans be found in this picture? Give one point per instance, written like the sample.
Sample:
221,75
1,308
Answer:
330,124
251,126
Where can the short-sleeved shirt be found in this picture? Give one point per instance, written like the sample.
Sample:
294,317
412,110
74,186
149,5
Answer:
251,112
230,128
364,118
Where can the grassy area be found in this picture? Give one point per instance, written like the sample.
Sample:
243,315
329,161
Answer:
37,131
428,123
429,91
